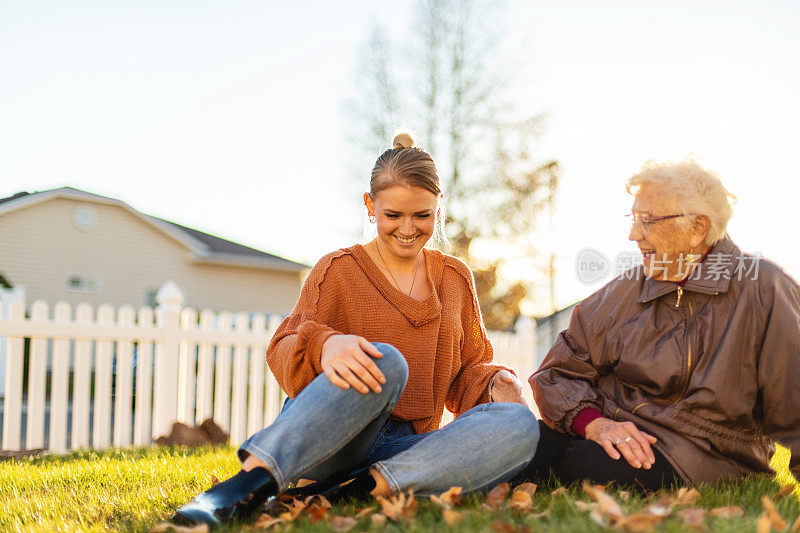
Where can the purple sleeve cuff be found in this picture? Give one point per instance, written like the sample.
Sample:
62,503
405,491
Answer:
583,419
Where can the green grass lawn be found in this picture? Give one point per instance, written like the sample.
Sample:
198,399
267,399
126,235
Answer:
135,489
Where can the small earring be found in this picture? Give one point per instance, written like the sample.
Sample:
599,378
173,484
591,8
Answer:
371,218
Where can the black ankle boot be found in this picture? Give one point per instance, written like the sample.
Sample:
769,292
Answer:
236,498
357,488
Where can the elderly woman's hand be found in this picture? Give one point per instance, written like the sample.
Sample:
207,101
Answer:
505,387
625,437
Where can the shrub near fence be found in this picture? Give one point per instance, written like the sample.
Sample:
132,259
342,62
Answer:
123,378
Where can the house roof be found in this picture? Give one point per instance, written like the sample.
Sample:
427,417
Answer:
14,197
541,321
205,247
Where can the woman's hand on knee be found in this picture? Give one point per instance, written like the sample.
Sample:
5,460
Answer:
347,361
623,439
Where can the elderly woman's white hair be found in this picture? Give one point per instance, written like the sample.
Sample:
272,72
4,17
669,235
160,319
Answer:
693,190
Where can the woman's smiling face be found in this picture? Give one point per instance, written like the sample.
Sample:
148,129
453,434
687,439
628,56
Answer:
665,243
406,219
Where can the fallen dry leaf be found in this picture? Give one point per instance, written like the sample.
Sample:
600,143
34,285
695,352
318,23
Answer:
529,488
606,504
640,522
361,513
206,433
410,506
166,526
214,480
693,518
448,499
505,527
316,513
559,491
398,507
727,512
317,499
343,523
658,509
521,502
266,521
377,519
293,510
598,517
667,500
687,496
784,491
497,496
778,523
390,508
764,524
274,506
451,517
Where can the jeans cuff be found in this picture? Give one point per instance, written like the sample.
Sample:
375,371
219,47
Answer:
388,477
252,449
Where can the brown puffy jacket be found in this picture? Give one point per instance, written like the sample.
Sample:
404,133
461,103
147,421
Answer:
711,369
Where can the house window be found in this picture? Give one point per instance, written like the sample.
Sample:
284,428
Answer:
84,284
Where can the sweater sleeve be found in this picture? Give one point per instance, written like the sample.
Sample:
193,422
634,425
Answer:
470,386
295,350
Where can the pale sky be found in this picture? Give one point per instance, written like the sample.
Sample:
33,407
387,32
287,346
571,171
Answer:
227,116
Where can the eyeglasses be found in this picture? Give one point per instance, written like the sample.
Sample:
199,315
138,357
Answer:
643,220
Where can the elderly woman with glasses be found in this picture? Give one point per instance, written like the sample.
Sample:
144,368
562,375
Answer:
685,368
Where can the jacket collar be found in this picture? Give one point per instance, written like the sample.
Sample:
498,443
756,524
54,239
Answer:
712,276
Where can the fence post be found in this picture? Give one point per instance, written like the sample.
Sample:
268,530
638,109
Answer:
165,394
6,297
12,405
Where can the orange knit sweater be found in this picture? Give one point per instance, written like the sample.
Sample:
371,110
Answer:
441,337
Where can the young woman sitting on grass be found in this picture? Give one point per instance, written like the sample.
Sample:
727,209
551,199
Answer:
382,338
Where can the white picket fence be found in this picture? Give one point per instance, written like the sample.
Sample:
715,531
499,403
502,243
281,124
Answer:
120,379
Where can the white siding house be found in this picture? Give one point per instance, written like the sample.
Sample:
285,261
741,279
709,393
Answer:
74,246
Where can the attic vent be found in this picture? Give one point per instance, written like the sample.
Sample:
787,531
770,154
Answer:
84,218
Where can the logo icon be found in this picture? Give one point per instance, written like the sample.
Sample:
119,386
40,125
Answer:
591,266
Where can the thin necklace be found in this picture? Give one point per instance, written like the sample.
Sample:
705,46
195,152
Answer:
413,280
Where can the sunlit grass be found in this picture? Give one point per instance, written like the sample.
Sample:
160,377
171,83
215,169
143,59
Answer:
780,462
134,489
127,490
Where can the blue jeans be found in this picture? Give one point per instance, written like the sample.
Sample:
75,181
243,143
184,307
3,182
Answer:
327,432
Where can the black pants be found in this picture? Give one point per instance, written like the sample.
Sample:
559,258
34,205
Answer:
569,459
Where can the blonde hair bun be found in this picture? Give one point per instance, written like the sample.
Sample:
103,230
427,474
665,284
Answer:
402,140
